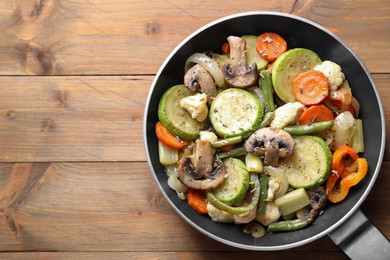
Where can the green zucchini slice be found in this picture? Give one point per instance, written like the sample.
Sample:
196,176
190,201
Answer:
310,164
236,184
252,56
175,118
236,112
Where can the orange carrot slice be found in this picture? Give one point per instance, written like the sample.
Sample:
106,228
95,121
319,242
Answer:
310,87
167,138
270,46
197,200
225,48
315,114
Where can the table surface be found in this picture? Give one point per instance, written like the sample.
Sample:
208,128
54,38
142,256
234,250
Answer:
74,76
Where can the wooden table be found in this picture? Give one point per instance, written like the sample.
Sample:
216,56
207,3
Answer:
74,76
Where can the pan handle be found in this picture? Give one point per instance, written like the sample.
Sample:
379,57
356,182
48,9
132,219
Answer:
360,239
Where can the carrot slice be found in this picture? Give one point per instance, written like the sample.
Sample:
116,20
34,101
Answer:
168,138
311,87
228,147
270,46
315,114
225,48
197,200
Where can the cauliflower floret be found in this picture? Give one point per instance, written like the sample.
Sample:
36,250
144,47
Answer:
272,214
196,105
273,186
209,136
333,72
286,114
175,184
218,215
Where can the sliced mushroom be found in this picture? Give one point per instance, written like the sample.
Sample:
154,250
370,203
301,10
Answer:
272,143
186,175
203,173
198,78
204,160
237,73
318,200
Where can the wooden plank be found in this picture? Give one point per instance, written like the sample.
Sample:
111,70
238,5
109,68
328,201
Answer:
356,23
49,119
114,207
282,255
382,82
122,37
72,118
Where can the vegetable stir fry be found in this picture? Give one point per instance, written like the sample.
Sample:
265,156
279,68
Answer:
261,135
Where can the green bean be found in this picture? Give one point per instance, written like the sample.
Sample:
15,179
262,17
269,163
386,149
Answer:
236,152
266,86
268,117
226,141
290,225
263,194
309,129
237,210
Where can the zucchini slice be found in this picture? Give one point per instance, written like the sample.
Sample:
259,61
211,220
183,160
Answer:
289,65
236,112
236,184
175,118
310,164
251,53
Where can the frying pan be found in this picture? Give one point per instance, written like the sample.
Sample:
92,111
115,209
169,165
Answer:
344,222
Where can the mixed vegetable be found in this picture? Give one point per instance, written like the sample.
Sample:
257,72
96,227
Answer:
261,135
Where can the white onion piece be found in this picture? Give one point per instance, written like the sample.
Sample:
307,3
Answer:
181,195
171,169
207,63
343,130
221,59
245,218
176,185
356,106
332,107
327,136
279,174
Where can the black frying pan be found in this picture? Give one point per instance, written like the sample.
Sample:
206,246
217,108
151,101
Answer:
344,222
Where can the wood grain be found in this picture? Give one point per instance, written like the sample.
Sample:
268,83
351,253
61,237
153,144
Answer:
72,118
72,38
98,204
320,255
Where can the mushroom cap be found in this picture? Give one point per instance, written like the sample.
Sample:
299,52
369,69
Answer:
318,200
237,73
186,175
242,76
198,78
202,172
272,143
